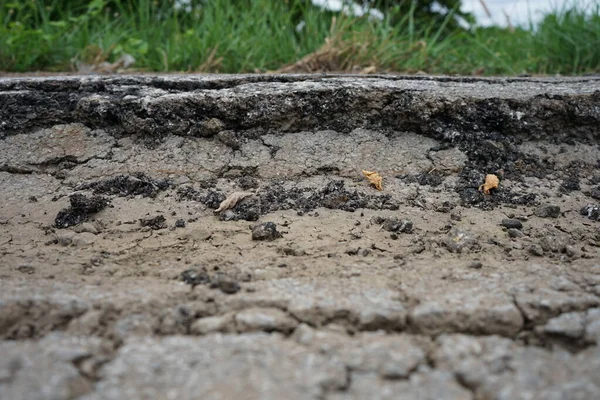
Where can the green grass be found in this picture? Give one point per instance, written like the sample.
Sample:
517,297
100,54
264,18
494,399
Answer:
260,35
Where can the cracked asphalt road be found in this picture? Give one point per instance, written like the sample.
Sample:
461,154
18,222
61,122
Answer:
118,279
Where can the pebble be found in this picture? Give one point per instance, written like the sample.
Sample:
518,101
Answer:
195,277
265,231
393,224
229,139
515,233
364,252
536,250
455,216
458,240
591,211
475,265
26,269
571,251
155,223
512,223
65,238
225,283
84,239
352,251
547,211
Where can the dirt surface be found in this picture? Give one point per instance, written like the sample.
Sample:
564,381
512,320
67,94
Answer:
119,280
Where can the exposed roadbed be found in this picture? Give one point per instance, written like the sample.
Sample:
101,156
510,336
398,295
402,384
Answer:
119,280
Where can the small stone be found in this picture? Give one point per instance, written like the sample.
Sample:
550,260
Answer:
364,252
444,207
570,184
515,233
512,223
210,127
393,224
26,269
265,231
591,211
224,283
356,233
571,251
155,223
475,265
458,241
404,226
81,209
180,223
65,238
455,216
352,251
536,250
547,211
195,277
595,193
84,239
229,139
96,261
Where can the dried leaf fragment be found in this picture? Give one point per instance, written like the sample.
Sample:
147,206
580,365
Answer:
232,200
374,179
491,182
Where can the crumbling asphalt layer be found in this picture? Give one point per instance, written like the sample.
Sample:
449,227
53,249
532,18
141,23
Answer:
119,280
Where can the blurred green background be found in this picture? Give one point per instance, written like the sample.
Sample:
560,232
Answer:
233,36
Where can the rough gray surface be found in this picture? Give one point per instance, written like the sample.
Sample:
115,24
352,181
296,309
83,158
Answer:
497,368
251,366
56,367
342,305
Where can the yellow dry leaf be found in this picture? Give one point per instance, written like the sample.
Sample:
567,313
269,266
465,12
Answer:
374,179
232,200
491,182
